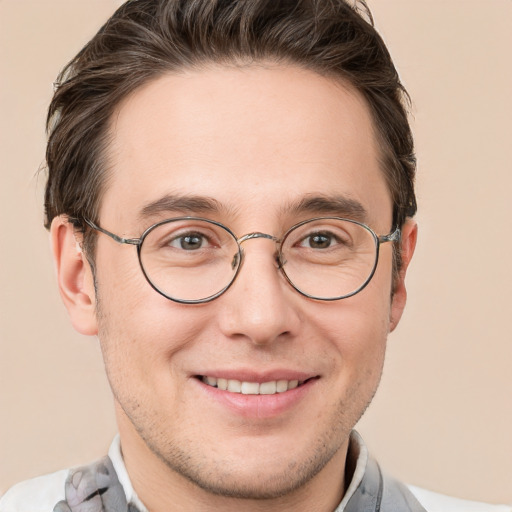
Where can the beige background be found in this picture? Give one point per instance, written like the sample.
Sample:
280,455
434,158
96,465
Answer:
443,416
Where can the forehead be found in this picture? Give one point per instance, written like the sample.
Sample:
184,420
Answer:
251,138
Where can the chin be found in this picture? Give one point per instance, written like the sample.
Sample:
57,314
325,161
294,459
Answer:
255,470
261,483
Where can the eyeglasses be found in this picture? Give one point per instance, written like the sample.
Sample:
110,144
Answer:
192,260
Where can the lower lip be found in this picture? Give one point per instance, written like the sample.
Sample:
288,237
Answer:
258,406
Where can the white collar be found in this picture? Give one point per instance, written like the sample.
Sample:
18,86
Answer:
358,456
116,457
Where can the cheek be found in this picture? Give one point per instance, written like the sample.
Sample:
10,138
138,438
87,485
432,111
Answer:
356,331
362,347
353,337
358,324
140,331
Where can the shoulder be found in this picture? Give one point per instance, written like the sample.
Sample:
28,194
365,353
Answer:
39,494
434,502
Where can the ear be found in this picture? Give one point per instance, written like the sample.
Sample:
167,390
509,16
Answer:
409,235
74,275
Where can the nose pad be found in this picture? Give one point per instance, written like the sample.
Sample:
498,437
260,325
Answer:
280,261
235,261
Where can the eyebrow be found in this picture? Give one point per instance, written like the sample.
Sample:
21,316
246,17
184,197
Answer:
339,206
187,204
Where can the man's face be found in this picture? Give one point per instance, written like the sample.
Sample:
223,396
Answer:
256,142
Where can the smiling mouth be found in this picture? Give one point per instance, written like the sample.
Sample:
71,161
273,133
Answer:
252,388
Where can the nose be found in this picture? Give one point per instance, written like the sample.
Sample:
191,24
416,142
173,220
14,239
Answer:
260,306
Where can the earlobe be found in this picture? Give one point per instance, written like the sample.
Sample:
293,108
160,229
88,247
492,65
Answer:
74,275
408,244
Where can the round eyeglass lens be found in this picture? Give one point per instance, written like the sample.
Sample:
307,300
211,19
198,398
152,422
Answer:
329,258
189,260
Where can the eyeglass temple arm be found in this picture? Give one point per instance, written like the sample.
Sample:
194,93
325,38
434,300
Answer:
121,240
392,237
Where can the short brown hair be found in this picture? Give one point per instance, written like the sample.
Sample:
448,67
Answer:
147,38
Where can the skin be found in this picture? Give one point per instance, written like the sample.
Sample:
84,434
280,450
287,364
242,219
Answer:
257,140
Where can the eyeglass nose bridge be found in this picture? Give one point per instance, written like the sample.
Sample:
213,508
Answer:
250,236
257,234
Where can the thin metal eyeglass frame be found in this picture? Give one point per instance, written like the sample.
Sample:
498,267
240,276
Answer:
394,236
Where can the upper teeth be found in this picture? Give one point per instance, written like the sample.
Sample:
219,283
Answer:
251,388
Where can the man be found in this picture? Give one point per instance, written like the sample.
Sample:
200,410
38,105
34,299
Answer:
258,156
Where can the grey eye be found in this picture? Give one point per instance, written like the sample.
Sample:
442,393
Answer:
189,242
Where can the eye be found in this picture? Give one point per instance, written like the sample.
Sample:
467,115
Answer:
189,241
320,240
